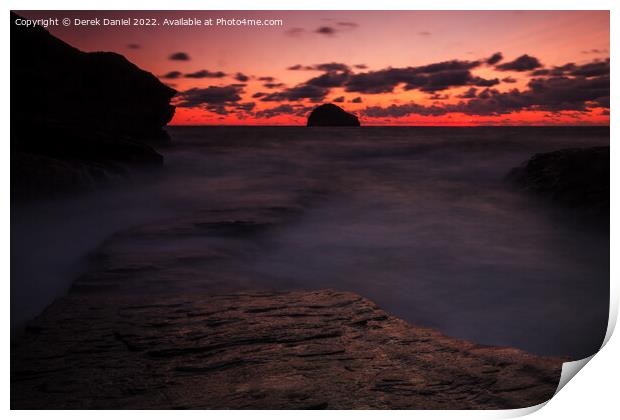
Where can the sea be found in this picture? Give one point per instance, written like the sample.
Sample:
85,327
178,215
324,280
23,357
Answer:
420,220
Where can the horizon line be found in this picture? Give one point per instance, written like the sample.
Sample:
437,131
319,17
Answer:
393,125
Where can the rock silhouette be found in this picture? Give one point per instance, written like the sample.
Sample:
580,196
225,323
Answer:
78,115
575,178
330,115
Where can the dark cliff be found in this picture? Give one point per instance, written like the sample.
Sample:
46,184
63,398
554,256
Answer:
78,119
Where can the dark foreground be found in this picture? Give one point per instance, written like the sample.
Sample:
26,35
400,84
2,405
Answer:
295,350
203,308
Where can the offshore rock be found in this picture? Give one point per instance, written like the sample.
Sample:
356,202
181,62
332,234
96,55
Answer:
330,115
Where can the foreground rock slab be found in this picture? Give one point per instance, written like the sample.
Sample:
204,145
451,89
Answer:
295,350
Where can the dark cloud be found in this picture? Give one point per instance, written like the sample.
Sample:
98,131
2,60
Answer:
479,81
579,90
302,111
134,46
217,109
361,66
315,89
331,67
595,68
396,111
357,100
424,33
272,112
295,32
469,94
172,75
492,102
179,56
297,93
273,85
324,67
241,77
567,88
592,69
203,74
442,80
326,30
285,109
329,79
595,51
259,95
553,94
245,106
447,66
487,93
338,27
495,58
523,63
429,78
570,93
267,79
438,97
382,81
212,97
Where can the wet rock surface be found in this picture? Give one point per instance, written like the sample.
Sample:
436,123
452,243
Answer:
297,350
173,253
330,115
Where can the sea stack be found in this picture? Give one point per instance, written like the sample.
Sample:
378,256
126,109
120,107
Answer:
330,115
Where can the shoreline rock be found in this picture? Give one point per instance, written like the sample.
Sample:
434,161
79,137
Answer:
577,179
78,116
260,350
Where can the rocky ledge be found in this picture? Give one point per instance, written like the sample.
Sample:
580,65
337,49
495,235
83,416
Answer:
311,350
330,115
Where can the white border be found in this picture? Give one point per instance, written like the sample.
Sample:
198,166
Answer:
593,393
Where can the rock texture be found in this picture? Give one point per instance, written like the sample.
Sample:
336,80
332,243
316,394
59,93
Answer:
75,112
330,115
575,178
322,349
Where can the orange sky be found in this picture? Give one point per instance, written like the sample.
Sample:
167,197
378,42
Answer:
378,41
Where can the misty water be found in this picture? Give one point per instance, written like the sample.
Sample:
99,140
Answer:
419,220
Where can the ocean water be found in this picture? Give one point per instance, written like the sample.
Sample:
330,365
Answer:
420,220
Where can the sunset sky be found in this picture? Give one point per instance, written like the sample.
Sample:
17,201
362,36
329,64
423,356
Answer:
389,68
